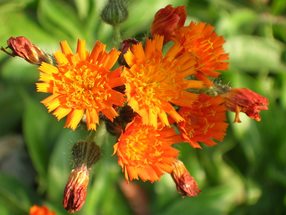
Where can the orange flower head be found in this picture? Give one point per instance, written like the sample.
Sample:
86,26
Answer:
40,210
206,47
244,100
185,183
167,20
146,152
204,121
76,189
81,84
154,82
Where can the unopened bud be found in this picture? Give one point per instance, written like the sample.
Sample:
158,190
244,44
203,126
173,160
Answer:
22,47
167,20
185,183
84,155
115,12
76,189
126,115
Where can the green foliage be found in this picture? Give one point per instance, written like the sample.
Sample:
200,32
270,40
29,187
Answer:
243,175
14,197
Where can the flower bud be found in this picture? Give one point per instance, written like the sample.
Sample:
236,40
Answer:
167,20
115,12
244,100
22,47
85,152
185,183
84,155
126,115
76,189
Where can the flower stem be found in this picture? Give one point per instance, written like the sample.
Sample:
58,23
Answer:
91,136
116,35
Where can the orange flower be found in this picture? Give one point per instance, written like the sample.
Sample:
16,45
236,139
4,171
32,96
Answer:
167,20
204,121
146,152
81,83
185,183
154,81
40,210
206,46
247,101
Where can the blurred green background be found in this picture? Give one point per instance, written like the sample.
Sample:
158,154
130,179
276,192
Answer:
245,174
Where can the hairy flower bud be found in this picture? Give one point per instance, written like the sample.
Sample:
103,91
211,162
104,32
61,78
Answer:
85,152
185,183
22,47
84,155
115,12
76,189
167,20
244,100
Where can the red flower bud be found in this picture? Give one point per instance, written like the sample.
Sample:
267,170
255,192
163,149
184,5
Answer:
76,189
185,183
247,101
167,20
22,47
84,155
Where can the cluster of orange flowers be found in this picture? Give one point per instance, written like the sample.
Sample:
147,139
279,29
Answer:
166,97
165,90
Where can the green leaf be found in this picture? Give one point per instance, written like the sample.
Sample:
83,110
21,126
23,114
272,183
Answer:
11,108
40,132
60,19
12,25
255,53
82,7
5,210
237,21
215,201
278,6
283,90
15,195
103,190
8,6
93,23
19,71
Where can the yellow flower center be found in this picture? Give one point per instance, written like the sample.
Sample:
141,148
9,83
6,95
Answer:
151,84
138,147
83,84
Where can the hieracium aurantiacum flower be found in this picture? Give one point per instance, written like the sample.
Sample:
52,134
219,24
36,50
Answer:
152,95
